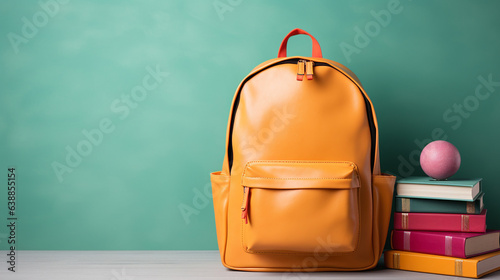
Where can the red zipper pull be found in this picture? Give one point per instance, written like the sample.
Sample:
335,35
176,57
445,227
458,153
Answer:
300,70
244,205
309,70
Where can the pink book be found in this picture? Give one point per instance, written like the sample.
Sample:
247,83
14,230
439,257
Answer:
454,244
440,222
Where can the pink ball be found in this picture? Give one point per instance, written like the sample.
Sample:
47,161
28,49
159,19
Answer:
440,159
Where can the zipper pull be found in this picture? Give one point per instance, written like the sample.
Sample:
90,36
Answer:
309,70
244,205
300,70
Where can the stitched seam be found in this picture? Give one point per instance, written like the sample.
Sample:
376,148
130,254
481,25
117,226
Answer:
274,162
275,178
359,213
299,253
295,162
243,236
243,240
245,169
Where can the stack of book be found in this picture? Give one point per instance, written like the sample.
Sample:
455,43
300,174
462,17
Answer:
440,227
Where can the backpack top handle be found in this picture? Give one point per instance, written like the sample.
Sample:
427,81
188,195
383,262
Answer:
316,49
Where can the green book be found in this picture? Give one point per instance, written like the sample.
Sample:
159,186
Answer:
420,205
429,188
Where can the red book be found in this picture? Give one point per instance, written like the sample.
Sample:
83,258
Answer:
440,222
454,244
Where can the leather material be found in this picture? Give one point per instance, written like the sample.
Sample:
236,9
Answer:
304,189
300,175
220,191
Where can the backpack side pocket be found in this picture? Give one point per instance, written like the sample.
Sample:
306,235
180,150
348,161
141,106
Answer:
383,189
220,195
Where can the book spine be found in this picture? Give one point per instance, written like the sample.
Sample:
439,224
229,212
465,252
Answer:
440,222
430,264
415,205
423,242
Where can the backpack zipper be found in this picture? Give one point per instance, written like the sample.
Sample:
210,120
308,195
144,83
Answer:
309,69
300,70
244,205
305,67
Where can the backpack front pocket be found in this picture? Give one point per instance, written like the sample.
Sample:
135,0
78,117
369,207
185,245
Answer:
300,207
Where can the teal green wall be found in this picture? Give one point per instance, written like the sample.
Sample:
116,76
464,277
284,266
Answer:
77,69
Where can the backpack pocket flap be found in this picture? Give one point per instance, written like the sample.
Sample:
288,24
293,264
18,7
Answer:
300,207
300,175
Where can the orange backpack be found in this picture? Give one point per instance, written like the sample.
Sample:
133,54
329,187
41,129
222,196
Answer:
300,187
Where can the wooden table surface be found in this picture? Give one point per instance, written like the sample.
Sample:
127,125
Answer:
138,265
